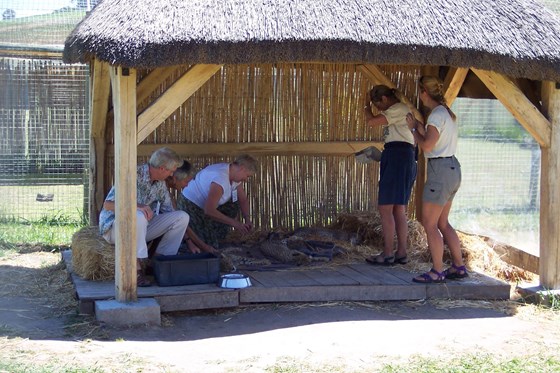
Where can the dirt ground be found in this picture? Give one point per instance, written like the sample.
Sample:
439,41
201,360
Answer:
39,324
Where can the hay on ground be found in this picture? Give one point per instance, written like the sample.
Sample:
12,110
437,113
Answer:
93,258
477,253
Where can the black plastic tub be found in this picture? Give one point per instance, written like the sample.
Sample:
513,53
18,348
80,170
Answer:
186,269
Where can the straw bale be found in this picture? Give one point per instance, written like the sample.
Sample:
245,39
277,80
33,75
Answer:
93,258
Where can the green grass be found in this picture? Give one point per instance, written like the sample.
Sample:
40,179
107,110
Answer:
479,363
19,202
41,29
459,364
50,233
19,367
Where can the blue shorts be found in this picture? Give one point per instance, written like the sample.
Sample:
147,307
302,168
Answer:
443,181
397,174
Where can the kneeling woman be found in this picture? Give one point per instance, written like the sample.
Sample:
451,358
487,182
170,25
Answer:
215,196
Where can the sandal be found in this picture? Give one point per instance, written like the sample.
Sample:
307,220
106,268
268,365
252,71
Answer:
459,272
401,260
142,281
381,260
427,279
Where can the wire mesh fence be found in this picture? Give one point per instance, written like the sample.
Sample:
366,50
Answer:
44,136
40,23
500,161
44,139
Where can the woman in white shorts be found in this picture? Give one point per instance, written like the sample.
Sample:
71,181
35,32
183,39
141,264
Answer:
438,140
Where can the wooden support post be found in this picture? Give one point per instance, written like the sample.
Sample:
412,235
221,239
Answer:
100,89
549,262
123,83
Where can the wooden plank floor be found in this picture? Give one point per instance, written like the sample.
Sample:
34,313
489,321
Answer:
353,282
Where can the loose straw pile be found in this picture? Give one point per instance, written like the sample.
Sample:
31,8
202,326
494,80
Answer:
477,254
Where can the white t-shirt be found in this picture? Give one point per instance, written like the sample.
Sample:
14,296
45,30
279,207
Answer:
397,128
198,189
446,145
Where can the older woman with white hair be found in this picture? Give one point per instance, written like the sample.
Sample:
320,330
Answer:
155,214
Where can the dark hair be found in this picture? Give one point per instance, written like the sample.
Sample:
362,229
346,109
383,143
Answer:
184,171
381,90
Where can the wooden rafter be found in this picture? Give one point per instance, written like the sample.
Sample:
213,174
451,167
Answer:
338,148
376,76
505,90
174,97
151,81
453,82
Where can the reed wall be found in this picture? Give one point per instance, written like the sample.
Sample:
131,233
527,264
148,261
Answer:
285,103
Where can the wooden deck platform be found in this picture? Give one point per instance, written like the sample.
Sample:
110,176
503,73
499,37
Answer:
353,282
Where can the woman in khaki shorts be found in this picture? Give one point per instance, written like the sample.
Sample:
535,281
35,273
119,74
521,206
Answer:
438,140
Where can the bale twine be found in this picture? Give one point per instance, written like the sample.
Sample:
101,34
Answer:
93,258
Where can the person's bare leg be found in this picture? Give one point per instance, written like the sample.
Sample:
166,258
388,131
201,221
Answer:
450,236
401,227
388,226
430,216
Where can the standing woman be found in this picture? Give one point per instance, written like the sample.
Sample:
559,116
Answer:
438,140
397,174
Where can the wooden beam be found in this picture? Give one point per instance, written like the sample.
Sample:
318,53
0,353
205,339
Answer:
549,263
514,256
148,85
123,83
338,148
174,97
100,90
453,82
23,51
152,81
373,73
518,104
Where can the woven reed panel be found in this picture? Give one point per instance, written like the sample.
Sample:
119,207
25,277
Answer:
285,103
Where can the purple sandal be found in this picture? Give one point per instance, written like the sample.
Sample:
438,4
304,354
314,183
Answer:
425,278
460,272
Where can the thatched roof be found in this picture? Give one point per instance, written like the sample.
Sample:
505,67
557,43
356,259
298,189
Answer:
520,38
